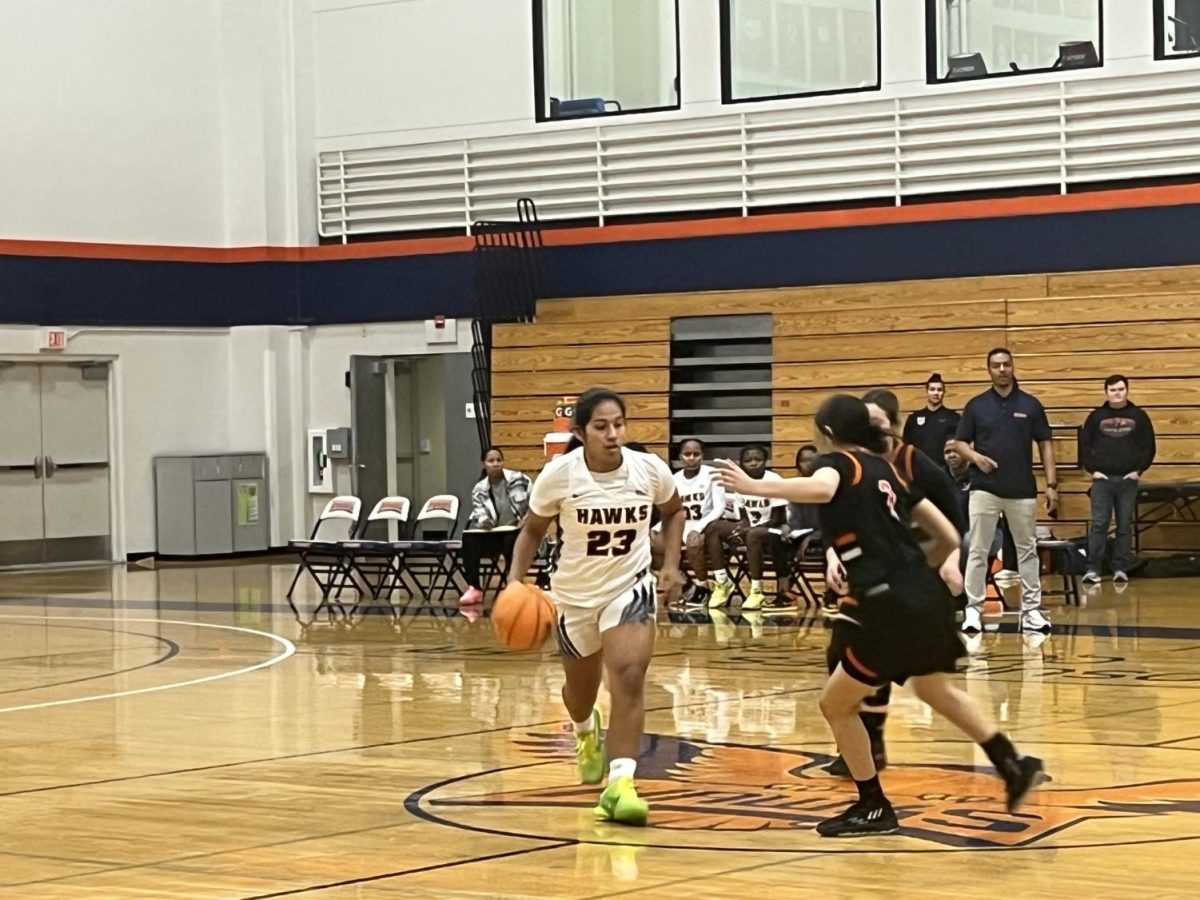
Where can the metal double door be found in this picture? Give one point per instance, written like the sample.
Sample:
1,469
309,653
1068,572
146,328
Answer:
54,463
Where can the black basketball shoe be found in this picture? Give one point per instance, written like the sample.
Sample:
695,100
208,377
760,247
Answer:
866,817
1023,776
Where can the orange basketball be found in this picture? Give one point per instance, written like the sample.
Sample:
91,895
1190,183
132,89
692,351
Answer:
522,617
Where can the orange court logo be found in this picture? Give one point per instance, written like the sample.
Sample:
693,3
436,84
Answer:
739,797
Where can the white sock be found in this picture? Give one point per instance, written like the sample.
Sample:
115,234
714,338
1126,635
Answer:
722,575
619,768
755,586
585,726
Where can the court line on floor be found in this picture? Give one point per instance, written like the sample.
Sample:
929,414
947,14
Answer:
737,870
496,729
289,649
172,651
1015,727
778,623
1166,745
416,871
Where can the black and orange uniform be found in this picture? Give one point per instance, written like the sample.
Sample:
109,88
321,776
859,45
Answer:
933,482
898,619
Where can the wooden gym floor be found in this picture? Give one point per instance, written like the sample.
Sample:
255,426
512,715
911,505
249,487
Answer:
175,733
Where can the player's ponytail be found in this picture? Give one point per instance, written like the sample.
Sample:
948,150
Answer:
845,419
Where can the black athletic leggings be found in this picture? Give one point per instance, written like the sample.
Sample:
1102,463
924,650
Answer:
478,544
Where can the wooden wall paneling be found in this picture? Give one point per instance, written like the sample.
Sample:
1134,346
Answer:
805,402
555,384
601,358
541,409
1067,331
1093,367
1147,392
873,319
1181,334
1110,309
1124,281
859,376
787,300
538,334
811,348
794,428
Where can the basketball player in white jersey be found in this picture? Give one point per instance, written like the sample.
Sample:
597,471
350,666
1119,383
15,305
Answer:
703,500
602,495
756,517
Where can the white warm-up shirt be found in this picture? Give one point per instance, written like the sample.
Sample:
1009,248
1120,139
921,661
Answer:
758,509
703,499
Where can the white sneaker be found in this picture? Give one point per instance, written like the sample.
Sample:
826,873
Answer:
1035,620
971,622
1092,578
1032,642
1120,577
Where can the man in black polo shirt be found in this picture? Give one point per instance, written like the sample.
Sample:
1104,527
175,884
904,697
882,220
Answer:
996,436
928,429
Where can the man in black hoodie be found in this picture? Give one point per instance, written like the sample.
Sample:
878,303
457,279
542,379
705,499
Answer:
1116,445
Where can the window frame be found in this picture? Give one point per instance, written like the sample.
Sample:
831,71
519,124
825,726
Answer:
541,100
727,98
931,50
1160,36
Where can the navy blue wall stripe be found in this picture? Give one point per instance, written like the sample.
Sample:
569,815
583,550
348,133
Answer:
1064,242
52,291
41,290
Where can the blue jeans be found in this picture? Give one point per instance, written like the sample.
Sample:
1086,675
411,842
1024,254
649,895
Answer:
1112,495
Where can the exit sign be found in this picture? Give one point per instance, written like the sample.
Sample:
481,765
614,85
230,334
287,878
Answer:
54,339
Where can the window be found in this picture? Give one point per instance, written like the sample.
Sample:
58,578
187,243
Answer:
795,48
600,57
1176,28
986,38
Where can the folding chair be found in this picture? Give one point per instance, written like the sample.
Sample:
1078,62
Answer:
1060,557
378,564
545,562
737,561
325,558
809,560
430,559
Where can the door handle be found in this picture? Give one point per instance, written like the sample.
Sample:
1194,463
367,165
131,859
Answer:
49,466
37,467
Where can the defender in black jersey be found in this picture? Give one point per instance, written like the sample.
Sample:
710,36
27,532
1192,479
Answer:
896,623
930,480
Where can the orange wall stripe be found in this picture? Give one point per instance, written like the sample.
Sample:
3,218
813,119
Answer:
1129,198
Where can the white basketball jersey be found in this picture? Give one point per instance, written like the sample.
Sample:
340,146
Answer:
758,509
604,522
703,498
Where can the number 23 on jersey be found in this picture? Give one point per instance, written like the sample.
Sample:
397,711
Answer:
610,543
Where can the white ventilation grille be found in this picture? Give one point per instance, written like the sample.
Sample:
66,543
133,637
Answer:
969,138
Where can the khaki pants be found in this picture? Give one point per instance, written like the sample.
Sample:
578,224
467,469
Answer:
1021,515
